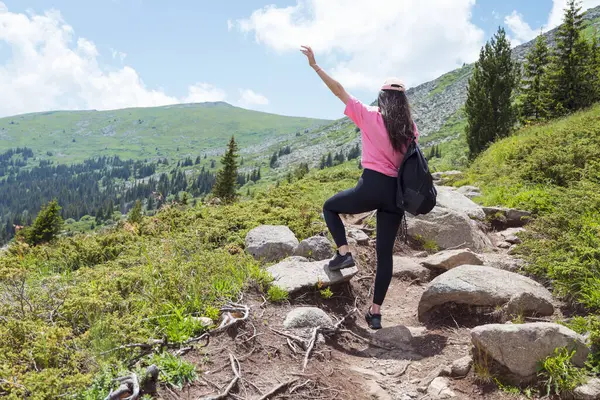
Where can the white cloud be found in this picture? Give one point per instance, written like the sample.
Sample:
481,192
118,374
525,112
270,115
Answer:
50,68
521,31
251,99
204,92
118,55
413,39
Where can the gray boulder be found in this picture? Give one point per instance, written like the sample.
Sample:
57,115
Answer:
307,317
271,243
407,268
449,259
295,273
316,247
448,197
477,285
448,228
589,391
519,347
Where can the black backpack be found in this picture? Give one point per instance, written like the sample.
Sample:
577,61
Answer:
415,193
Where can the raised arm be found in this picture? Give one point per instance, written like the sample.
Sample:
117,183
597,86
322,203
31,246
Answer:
333,85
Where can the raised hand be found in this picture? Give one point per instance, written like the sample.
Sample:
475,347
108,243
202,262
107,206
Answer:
308,52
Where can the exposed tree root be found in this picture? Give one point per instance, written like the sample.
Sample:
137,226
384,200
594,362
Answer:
235,367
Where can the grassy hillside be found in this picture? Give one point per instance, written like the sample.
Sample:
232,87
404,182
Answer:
174,131
554,171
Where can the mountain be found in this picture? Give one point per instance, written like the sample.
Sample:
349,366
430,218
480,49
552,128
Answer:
176,131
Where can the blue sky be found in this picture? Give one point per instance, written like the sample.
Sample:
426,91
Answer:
119,53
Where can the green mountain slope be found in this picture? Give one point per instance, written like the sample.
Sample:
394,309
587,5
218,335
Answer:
173,131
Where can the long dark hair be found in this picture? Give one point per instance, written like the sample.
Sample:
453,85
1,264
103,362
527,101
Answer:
396,115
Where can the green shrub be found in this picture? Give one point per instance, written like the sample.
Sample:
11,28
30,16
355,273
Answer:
277,294
558,374
174,370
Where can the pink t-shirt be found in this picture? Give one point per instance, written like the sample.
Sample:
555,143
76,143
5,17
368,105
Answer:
377,151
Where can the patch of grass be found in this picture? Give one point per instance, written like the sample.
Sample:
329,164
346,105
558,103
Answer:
559,375
277,294
326,293
173,370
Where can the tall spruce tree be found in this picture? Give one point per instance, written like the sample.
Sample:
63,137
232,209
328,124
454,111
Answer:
570,88
490,113
593,68
226,177
535,99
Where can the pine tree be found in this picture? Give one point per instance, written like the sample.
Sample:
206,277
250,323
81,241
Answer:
185,199
593,68
135,216
570,88
226,178
329,162
273,162
431,153
535,99
438,152
490,114
46,226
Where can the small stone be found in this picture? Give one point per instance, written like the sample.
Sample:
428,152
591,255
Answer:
512,251
504,245
589,391
513,239
358,235
449,259
317,247
462,366
438,389
421,254
407,268
205,321
307,317
295,273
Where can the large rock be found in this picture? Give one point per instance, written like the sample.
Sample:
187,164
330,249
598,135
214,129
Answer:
449,259
519,347
477,285
502,217
448,228
448,197
316,247
271,243
295,273
589,391
307,317
407,268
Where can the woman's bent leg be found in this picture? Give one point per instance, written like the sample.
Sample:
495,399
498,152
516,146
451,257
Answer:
351,201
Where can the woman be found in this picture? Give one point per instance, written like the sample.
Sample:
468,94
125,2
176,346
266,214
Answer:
385,132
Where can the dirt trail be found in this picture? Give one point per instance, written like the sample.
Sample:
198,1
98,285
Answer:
394,366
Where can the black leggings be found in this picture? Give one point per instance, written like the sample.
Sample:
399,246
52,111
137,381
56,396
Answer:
374,191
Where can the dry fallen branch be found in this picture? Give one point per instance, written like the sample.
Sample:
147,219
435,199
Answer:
129,384
311,345
277,389
293,389
235,367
